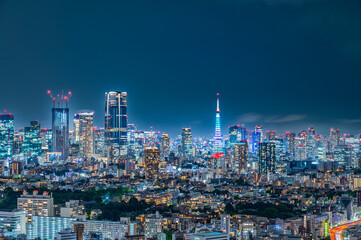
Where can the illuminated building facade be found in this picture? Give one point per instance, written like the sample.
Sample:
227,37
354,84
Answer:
32,145
187,142
240,156
266,157
60,131
47,227
116,122
164,146
233,134
290,144
152,156
12,222
36,205
6,135
84,133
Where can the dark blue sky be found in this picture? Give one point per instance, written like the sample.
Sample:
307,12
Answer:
286,64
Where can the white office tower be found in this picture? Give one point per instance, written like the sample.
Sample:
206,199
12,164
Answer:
36,205
153,225
66,234
12,222
210,236
226,223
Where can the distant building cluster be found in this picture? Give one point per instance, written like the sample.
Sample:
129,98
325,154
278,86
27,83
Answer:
119,182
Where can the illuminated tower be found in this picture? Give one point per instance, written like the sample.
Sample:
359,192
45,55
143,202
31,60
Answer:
6,134
151,163
164,147
84,133
60,125
116,122
217,149
187,142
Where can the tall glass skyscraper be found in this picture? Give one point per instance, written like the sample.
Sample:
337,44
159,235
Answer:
84,133
60,131
32,140
116,121
6,134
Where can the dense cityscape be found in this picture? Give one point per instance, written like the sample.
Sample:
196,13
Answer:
119,182
180,120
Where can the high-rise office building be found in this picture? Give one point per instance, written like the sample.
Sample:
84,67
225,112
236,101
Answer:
32,145
151,155
84,133
267,157
164,145
334,138
116,122
187,142
343,155
290,144
244,133
6,135
240,156
233,134
60,124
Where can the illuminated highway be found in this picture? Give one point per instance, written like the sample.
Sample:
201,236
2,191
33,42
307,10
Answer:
336,232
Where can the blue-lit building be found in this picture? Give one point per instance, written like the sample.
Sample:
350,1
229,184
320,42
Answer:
244,134
116,122
233,134
32,140
256,138
60,131
6,135
47,227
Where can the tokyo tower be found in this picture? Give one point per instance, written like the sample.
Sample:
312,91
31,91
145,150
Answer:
217,148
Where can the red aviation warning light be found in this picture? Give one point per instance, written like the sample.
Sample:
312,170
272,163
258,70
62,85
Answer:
61,99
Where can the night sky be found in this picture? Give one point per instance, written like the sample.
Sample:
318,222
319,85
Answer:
285,64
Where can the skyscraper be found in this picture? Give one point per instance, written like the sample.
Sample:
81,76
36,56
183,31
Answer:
334,138
290,144
233,134
60,130
84,133
116,121
60,125
32,140
6,134
218,148
151,155
164,147
240,156
267,157
187,142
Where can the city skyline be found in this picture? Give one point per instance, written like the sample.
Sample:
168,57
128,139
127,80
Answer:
290,67
248,120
